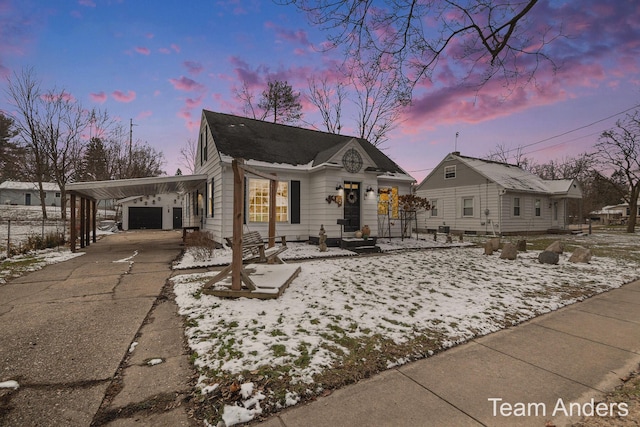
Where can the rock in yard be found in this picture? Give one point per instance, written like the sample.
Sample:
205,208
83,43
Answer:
581,254
495,242
509,251
557,247
488,248
521,245
548,257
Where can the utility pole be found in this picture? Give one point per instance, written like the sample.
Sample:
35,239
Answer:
130,147
455,144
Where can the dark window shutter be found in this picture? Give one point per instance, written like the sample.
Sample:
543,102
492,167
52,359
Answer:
295,202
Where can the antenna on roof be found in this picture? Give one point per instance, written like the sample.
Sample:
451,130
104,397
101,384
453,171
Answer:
455,145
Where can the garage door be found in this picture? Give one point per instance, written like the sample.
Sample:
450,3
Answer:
145,218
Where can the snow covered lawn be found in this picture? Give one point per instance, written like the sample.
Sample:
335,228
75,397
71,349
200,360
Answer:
347,318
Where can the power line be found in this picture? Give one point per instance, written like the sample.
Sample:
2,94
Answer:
573,130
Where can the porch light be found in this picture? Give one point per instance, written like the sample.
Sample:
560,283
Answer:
339,187
370,190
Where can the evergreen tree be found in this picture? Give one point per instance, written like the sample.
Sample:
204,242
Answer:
281,103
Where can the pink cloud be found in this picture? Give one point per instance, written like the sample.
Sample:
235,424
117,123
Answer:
193,67
164,51
175,47
194,103
99,97
124,97
55,96
186,84
293,36
144,115
88,3
142,50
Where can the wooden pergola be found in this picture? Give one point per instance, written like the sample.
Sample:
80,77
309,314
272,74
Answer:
238,272
87,221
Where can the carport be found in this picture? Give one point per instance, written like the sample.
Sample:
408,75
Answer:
83,215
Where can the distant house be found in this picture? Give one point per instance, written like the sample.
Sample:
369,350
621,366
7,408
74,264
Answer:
613,214
28,193
152,212
322,178
475,196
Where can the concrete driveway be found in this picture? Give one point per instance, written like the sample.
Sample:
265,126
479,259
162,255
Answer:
66,332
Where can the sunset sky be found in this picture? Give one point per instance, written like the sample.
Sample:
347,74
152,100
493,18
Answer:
160,63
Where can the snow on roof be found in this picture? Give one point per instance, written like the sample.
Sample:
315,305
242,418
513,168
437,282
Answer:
512,177
17,185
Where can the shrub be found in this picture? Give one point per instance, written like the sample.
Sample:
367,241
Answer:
200,244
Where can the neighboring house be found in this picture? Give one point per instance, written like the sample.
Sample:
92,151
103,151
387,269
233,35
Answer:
152,212
613,214
28,193
475,196
322,177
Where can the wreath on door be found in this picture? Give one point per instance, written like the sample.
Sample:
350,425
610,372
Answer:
352,197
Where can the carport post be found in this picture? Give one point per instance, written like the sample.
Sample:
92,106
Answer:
72,227
82,222
87,228
95,218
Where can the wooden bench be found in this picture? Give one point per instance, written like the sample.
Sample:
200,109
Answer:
254,248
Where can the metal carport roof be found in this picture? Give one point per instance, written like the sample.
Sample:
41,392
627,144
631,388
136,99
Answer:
121,188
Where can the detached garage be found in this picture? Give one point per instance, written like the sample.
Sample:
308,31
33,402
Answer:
153,212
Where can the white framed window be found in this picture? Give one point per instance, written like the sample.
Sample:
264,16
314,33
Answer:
537,207
434,207
467,206
516,206
450,172
259,201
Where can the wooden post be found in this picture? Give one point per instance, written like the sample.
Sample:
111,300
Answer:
87,228
72,226
82,222
238,212
273,189
95,218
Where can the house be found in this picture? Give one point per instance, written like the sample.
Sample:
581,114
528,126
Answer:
613,214
475,196
152,212
322,178
28,193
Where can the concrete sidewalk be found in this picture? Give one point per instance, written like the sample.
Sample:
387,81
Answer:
66,332
540,371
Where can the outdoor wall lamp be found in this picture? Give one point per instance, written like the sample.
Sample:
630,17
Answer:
370,190
339,187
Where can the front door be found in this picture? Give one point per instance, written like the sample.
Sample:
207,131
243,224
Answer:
352,205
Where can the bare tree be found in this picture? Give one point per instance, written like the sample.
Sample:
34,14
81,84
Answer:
328,99
379,96
619,150
503,154
247,97
188,155
485,36
23,92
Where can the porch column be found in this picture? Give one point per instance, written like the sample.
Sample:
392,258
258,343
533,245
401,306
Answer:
238,213
273,189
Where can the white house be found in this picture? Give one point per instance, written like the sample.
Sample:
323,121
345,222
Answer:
613,214
152,212
322,178
28,193
475,196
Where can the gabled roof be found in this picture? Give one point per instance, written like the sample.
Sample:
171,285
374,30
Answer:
250,139
512,177
28,186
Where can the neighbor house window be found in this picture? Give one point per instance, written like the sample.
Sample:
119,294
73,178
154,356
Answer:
537,205
516,206
449,172
259,201
388,202
58,195
467,206
434,207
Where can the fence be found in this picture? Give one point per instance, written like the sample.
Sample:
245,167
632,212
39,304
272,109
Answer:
20,236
